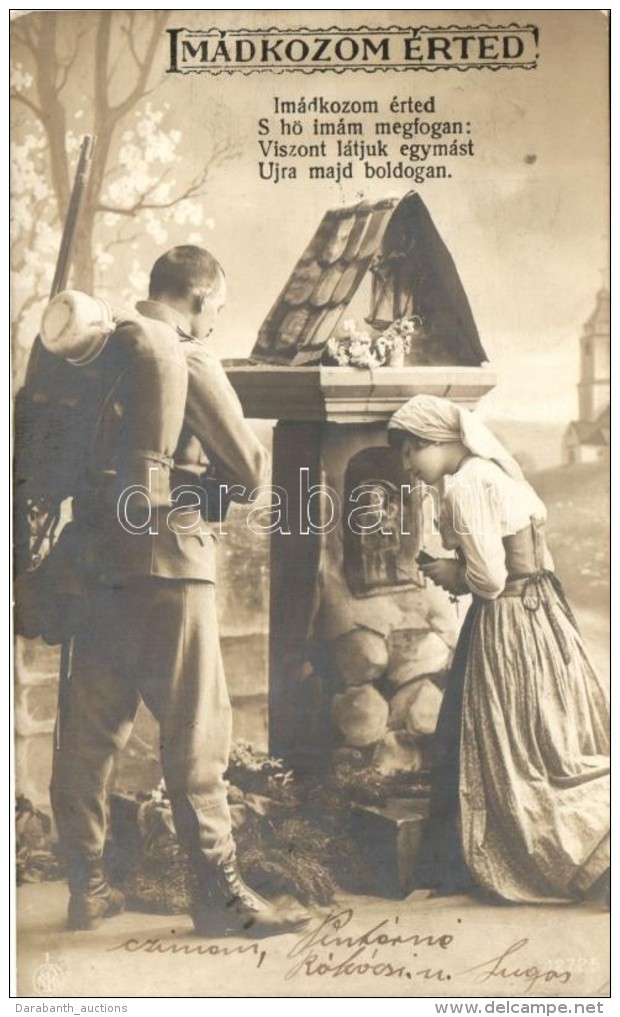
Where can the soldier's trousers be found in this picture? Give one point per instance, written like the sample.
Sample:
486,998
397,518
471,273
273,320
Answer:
156,640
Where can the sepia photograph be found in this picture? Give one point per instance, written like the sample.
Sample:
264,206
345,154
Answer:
310,355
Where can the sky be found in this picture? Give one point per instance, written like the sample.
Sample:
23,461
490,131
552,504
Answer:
526,219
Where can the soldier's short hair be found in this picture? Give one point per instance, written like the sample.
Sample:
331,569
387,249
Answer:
183,270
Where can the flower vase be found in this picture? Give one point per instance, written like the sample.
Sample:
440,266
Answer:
396,358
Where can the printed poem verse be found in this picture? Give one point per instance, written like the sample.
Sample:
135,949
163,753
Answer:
347,139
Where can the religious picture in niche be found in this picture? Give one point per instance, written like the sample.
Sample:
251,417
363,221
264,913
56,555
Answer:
381,524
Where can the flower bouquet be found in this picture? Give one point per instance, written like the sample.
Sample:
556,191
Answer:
357,348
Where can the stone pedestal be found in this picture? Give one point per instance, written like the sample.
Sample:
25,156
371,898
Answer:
355,631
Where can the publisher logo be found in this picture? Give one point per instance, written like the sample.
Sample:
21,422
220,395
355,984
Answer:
49,977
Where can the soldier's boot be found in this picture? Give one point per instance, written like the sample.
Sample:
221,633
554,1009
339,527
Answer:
92,898
225,905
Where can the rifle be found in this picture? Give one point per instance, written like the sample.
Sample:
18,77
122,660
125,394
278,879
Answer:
63,261
37,501
43,411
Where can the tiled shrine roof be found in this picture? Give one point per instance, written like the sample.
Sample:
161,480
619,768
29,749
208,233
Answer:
322,283
413,273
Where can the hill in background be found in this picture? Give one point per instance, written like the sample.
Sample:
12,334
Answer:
578,528
536,445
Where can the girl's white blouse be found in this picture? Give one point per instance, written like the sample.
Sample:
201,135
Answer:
479,506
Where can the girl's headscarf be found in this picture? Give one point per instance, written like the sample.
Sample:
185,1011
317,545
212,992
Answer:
435,419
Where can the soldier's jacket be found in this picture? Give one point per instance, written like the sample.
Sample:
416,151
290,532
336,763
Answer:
169,413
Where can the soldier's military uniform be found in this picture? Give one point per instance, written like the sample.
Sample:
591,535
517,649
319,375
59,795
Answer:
148,627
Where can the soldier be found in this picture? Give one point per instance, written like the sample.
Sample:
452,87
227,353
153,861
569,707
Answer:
148,627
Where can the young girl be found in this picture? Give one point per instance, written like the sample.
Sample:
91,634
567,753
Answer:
520,785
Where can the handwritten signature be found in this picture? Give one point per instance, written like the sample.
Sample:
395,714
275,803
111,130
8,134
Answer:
319,952
503,966
315,952
159,946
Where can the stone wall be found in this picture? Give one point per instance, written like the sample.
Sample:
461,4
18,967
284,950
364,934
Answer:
370,670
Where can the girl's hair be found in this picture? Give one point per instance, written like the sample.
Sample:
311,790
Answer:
397,437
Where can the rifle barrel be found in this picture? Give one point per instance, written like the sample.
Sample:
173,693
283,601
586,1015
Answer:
82,174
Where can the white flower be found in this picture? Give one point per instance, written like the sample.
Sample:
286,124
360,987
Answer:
20,78
358,348
137,278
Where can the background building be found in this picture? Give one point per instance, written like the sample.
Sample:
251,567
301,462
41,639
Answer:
587,439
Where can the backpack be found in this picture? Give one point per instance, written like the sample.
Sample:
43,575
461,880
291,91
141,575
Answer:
65,411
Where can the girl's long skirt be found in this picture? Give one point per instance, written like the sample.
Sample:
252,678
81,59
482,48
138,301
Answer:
520,799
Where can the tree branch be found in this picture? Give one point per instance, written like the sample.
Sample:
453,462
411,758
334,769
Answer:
129,32
64,66
142,204
117,241
195,188
113,65
23,35
149,190
145,66
32,106
102,49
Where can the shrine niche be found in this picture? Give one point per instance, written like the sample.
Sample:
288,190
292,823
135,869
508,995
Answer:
359,642
381,524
